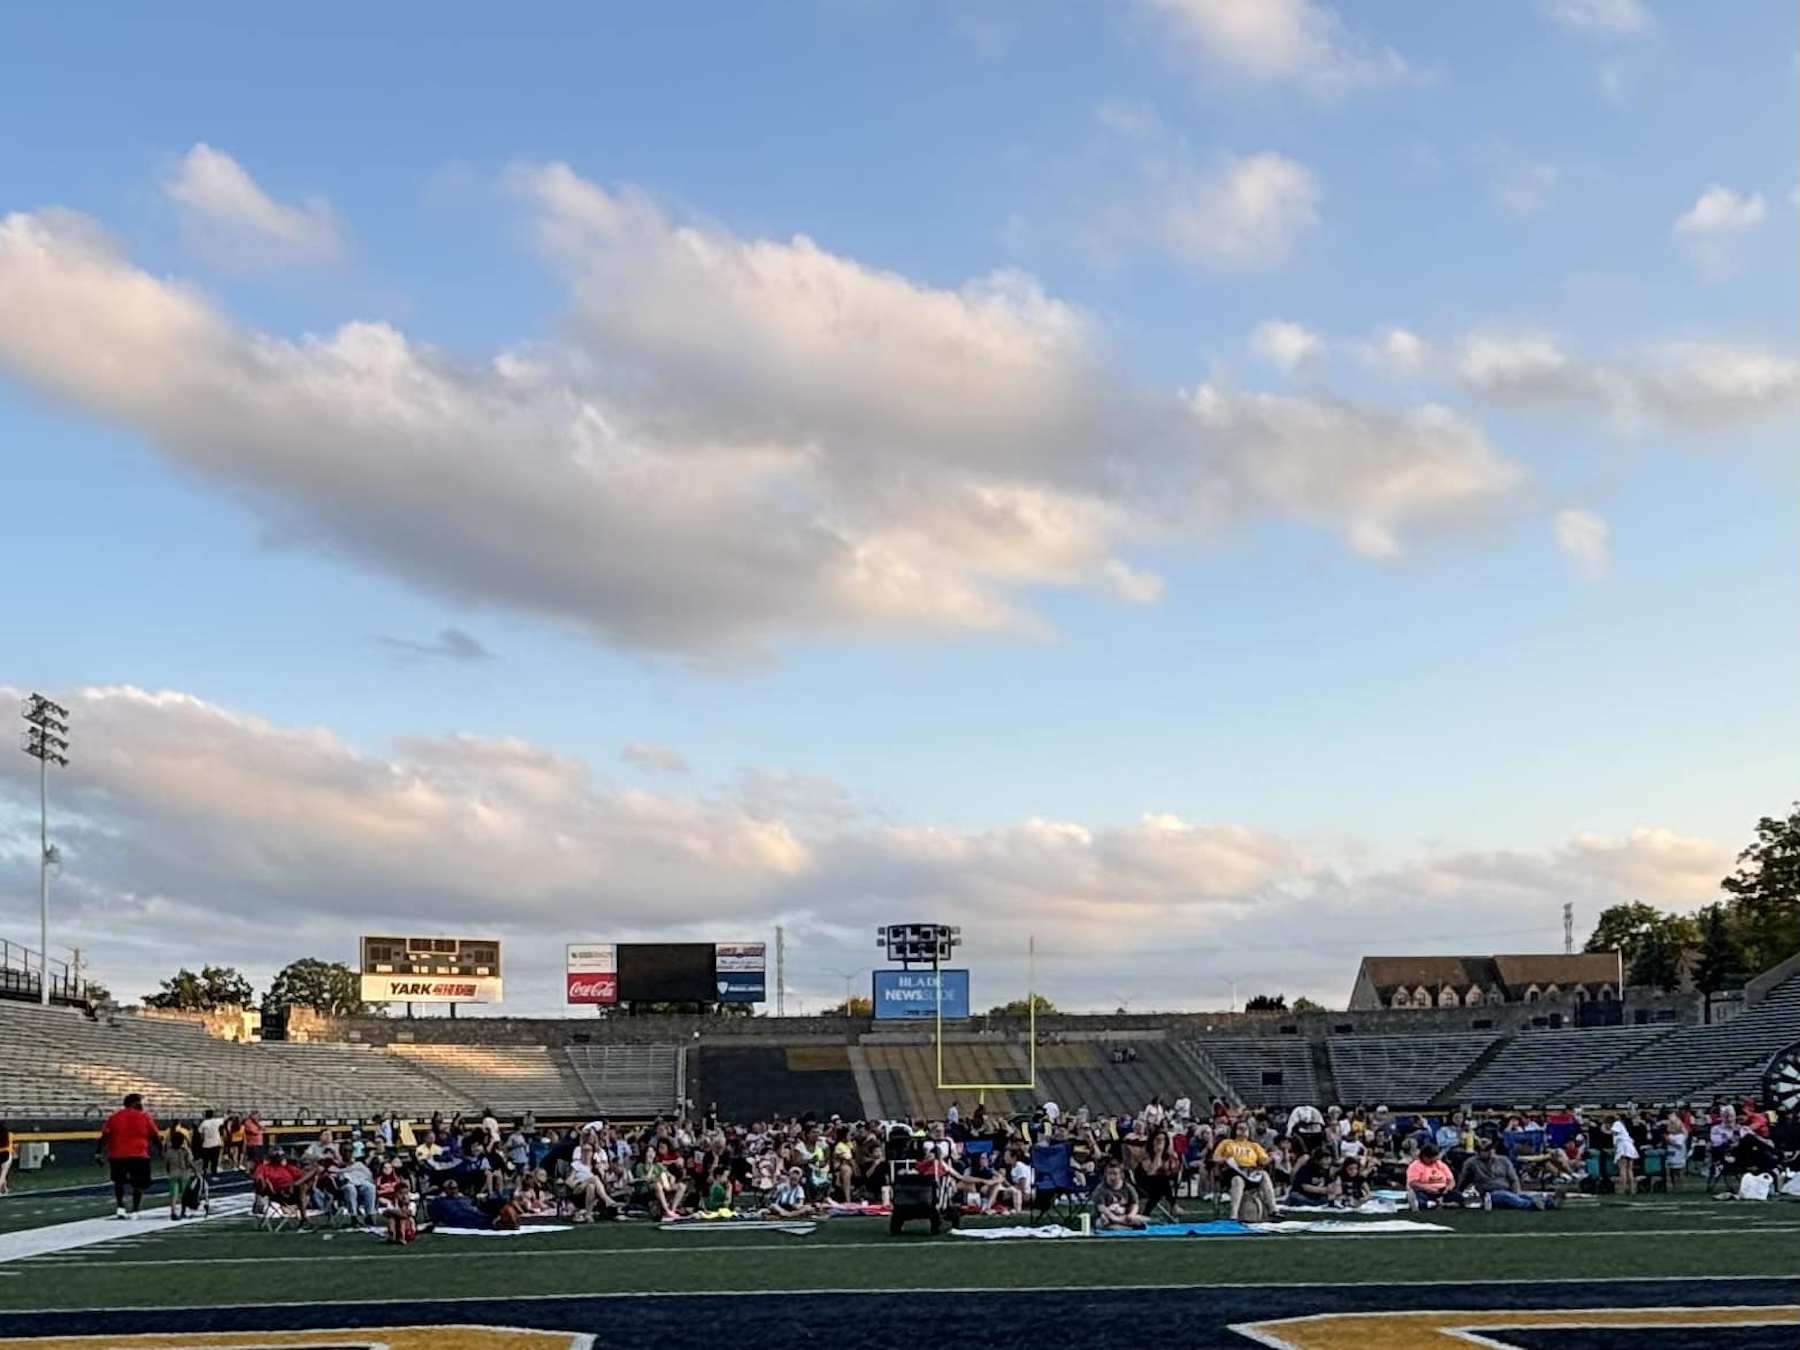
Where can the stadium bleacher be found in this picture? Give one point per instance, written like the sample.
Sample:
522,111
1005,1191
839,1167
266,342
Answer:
1411,1069
1266,1071
628,1080
1539,1066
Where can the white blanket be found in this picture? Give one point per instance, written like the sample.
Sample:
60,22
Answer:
1048,1230
1351,1226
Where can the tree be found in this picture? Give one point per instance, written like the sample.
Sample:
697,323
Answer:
1658,961
1765,893
1019,1008
1721,963
213,987
1267,1003
329,986
856,1007
1623,929
1304,1004
96,993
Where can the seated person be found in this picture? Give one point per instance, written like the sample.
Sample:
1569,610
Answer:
387,1181
587,1189
533,1194
1496,1180
356,1188
450,1208
397,1214
1245,1163
1312,1183
283,1181
719,1194
1353,1187
790,1200
1115,1202
871,1181
1428,1180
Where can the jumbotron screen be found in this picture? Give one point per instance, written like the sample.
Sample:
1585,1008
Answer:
667,972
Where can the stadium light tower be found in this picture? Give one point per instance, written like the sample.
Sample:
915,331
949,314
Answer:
46,739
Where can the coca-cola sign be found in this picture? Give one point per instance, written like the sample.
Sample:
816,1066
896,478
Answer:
592,987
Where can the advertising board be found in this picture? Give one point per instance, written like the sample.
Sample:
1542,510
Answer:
911,994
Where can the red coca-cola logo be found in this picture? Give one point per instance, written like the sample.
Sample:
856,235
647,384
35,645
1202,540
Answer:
593,988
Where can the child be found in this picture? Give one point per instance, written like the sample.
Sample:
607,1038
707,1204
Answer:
402,1228
179,1162
1675,1140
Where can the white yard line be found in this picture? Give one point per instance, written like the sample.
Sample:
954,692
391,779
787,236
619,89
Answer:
374,1253
53,1239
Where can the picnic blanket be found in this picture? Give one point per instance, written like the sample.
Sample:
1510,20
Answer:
1048,1230
848,1210
1350,1226
1212,1228
1366,1207
696,1223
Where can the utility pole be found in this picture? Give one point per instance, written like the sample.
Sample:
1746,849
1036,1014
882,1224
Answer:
46,739
780,971
1568,928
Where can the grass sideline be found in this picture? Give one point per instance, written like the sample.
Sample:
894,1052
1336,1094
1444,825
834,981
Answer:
224,1262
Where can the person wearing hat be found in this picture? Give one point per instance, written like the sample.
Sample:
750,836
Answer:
1495,1179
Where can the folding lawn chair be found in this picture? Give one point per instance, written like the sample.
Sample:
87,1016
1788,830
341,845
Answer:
269,1215
1055,1185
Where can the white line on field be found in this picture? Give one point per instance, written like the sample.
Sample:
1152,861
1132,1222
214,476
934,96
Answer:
586,1253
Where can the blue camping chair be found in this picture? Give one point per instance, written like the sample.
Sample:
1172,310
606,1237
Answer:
1055,1184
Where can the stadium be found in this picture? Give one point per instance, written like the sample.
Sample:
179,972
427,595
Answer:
634,1117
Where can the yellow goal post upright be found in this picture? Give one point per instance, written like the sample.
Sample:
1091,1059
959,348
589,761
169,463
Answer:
1030,1084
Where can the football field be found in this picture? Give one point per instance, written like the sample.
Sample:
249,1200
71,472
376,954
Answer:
1597,1275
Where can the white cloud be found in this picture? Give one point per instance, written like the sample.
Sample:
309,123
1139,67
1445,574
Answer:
184,816
1286,346
1242,214
1396,351
233,223
1301,43
654,758
1689,387
732,439
1719,210
1582,535
1601,18
1711,227
1525,188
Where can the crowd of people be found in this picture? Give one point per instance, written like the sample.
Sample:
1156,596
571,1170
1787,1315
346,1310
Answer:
1128,1169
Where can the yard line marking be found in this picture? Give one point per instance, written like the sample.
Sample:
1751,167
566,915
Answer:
415,1300
100,1262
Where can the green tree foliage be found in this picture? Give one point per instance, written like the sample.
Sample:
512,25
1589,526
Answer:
329,986
857,1007
1019,1008
1623,928
1657,962
1304,1004
213,987
1721,964
1765,893
1267,1003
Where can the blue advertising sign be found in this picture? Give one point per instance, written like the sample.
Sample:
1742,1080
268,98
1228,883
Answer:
913,993
741,986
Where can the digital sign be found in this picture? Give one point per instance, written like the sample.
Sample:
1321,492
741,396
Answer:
667,972
901,995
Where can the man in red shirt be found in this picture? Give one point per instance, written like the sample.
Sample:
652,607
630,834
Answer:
282,1181
125,1142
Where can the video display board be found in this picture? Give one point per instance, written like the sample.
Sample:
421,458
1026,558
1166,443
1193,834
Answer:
667,972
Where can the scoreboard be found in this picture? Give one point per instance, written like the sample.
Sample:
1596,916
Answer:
430,970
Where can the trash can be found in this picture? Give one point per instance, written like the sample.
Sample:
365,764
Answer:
32,1154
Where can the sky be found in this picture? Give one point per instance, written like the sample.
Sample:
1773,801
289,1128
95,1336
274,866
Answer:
1215,488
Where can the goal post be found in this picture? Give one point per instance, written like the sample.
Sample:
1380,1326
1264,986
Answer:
1030,1083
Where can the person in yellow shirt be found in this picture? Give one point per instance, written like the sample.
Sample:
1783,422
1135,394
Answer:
1245,1163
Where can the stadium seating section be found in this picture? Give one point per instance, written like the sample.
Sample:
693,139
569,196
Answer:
61,1064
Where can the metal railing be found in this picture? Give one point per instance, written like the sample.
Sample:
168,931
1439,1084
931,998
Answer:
21,971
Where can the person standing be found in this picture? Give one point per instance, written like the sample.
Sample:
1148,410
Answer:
125,1142
6,1154
178,1162
1625,1155
253,1140
212,1141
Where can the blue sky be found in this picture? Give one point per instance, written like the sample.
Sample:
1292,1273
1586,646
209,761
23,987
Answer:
1062,535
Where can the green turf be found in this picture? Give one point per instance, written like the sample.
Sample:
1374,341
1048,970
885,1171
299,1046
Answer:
224,1262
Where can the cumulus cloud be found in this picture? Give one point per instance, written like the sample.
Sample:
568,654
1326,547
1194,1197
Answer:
1690,387
1396,351
1299,43
1711,226
1601,18
1286,346
187,816
654,758
1244,213
730,439
1582,535
234,224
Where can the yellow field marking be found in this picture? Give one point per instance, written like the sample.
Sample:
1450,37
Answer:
1443,1330
1030,1084
360,1338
